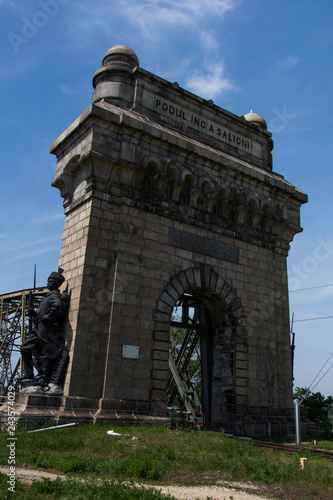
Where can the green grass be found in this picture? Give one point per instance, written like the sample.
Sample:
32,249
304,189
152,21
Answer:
157,455
323,445
78,490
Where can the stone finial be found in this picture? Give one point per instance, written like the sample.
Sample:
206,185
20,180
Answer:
256,119
121,54
113,79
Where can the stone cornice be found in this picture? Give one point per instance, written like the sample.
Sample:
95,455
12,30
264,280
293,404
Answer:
140,125
127,156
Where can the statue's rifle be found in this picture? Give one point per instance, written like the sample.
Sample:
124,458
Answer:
31,303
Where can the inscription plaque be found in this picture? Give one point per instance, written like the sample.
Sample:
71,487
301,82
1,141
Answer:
206,246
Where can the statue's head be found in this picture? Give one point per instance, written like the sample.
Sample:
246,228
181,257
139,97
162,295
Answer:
55,280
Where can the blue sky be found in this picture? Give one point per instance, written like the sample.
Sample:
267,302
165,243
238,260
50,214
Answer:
274,57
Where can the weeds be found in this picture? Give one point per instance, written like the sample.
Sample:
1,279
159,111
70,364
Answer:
76,490
122,468
139,468
5,494
159,454
95,490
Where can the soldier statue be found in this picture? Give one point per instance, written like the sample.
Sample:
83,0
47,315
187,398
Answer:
45,347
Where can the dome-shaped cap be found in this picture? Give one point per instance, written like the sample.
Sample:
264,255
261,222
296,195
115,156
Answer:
114,79
121,53
256,119
119,59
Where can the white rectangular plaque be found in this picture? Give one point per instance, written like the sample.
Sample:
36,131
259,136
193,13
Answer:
131,351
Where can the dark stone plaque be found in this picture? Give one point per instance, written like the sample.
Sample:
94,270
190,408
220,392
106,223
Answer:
206,246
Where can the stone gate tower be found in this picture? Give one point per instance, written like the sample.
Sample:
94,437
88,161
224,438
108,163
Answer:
168,196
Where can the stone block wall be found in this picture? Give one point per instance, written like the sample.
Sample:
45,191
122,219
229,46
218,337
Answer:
117,273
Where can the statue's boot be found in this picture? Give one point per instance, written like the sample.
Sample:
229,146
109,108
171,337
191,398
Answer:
43,376
28,372
38,381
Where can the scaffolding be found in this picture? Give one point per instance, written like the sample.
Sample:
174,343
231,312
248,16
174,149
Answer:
15,324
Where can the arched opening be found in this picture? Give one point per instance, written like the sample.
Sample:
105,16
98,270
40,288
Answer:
209,354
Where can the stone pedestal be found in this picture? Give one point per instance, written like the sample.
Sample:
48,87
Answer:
41,409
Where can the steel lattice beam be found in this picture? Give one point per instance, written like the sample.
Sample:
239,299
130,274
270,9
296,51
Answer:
180,355
14,326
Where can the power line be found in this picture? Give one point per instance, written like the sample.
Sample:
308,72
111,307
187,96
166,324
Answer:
320,372
323,376
312,319
307,394
310,288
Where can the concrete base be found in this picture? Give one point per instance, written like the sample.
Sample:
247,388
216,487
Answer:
40,408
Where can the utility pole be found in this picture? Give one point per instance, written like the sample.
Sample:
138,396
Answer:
292,347
298,423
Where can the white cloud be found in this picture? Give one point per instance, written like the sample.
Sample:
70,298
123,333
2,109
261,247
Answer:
209,41
27,255
154,14
150,16
286,63
15,245
46,218
19,7
158,22
211,82
175,12
6,3
66,90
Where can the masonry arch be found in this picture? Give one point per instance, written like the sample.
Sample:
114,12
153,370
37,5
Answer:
226,340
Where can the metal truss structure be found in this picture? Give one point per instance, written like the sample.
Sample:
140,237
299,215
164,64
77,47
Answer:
15,324
188,376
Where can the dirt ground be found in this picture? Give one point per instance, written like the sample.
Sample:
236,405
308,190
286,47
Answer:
219,491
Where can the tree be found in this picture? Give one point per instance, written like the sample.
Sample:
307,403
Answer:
318,409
